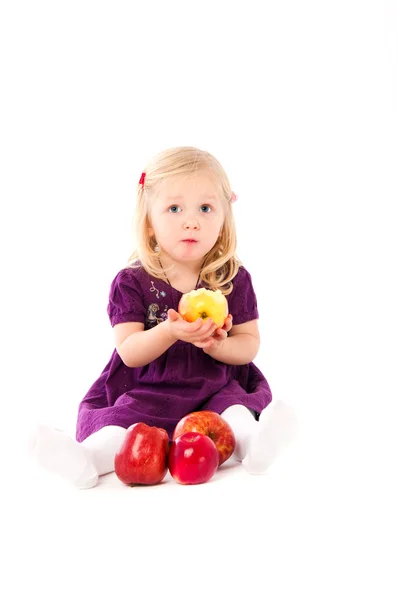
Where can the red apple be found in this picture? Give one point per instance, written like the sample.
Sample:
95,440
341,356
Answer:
204,304
214,426
193,458
142,457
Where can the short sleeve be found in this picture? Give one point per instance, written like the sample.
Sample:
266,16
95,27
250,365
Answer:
242,302
126,299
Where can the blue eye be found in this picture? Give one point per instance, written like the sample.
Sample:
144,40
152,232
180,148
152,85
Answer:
176,209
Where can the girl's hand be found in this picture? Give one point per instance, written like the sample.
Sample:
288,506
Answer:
216,340
195,333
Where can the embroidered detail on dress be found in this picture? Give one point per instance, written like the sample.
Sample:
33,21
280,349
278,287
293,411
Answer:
152,319
163,315
154,289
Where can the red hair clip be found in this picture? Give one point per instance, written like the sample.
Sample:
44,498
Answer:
142,179
233,197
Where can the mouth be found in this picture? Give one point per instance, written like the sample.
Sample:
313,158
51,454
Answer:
190,241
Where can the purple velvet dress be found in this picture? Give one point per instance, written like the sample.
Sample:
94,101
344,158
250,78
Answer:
181,380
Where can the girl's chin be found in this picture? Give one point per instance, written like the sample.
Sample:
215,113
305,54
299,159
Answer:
181,257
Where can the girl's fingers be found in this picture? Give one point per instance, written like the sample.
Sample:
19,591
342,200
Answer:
172,314
220,333
198,324
192,327
218,336
213,332
207,344
207,328
203,329
227,323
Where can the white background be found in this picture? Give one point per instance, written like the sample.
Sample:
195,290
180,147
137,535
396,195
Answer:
299,101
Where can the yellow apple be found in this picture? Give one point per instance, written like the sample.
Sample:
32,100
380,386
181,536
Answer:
204,304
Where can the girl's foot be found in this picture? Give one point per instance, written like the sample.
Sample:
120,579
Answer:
59,453
276,428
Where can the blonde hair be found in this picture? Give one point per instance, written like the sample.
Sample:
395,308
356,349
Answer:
220,264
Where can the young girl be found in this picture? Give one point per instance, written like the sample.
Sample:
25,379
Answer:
163,367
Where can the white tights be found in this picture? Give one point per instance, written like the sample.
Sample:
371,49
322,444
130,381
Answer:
257,443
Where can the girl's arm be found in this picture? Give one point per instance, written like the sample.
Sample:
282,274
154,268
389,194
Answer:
240,348
142,347
138,348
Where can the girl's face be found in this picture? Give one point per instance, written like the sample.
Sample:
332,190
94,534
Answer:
187,208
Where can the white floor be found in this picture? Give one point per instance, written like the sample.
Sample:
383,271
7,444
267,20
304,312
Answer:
301,108
320,523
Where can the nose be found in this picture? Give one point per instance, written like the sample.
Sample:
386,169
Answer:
191,224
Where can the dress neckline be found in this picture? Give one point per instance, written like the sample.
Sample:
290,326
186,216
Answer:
173,288
179,291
